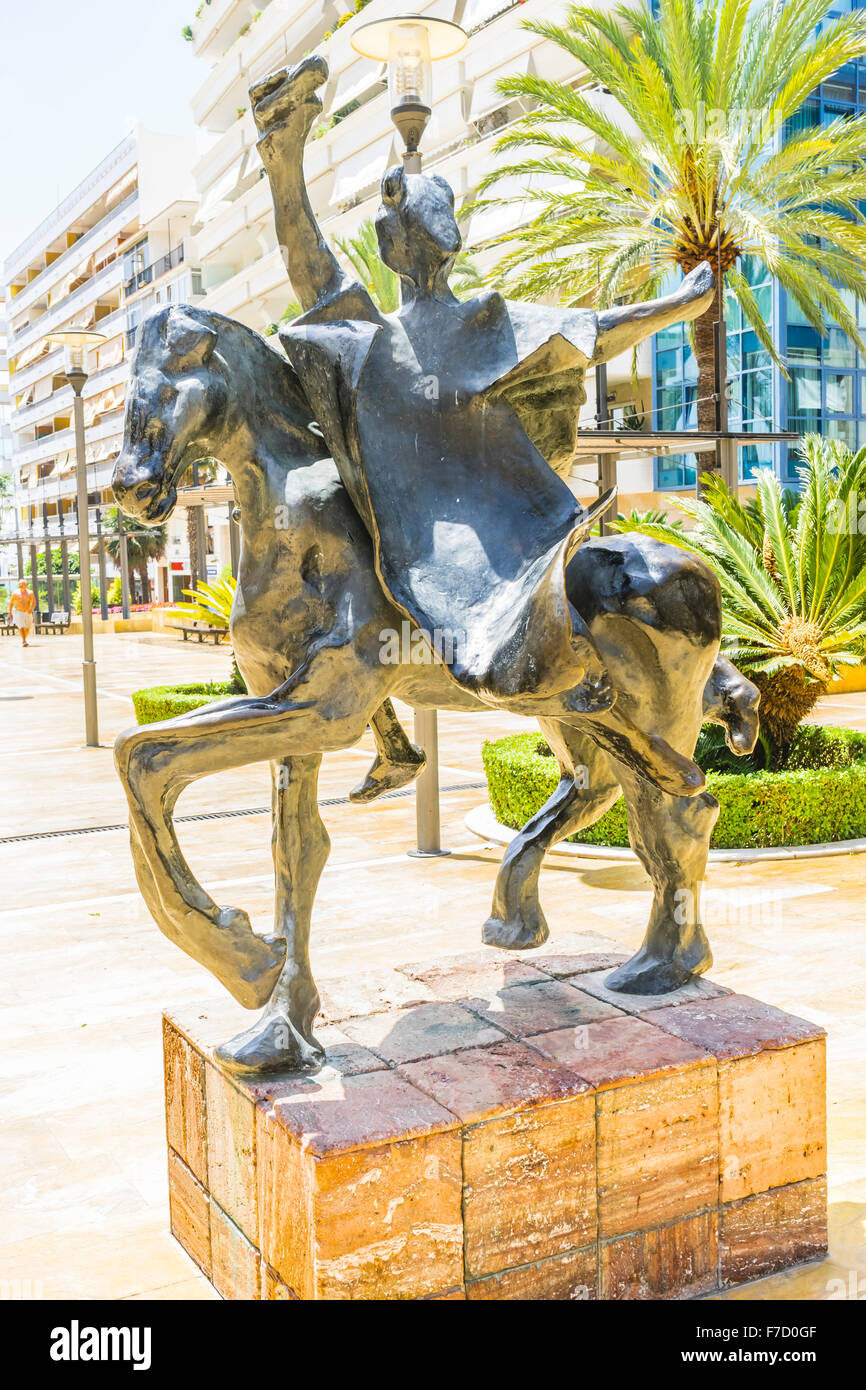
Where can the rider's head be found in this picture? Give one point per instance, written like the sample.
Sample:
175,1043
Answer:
417,230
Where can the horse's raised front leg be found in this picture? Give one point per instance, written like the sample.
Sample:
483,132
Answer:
283,1037
157,761
671,837
587,787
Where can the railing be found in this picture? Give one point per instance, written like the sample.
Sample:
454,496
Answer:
43,282
151,272
59,313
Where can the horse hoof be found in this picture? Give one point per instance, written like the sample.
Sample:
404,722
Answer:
514,936
648,974
249,965
386,777
271,1044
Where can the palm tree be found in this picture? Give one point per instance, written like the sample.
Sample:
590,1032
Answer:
690,149
141,545
792,567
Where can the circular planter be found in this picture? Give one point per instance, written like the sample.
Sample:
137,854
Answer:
762,814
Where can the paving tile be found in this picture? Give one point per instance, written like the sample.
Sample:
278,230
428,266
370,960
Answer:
476,975
734,1025
595,983
522,1010
406,1035
612,1051
370,992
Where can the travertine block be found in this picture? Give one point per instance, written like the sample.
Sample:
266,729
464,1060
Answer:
236,1262
569,1277
773,1230
185,1111
231,1165
658,1155
189,1212
528,1131
360,1190
772,1119
675,1261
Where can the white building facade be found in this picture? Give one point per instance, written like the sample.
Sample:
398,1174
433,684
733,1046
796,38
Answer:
116,248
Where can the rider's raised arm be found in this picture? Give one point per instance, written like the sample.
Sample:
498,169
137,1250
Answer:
285,106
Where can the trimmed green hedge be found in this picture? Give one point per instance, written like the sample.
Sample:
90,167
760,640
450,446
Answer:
158,702
800,806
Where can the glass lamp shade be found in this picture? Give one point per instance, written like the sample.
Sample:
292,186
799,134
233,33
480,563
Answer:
410,74
76,341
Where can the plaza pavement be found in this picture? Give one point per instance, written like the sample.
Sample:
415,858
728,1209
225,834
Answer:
85,973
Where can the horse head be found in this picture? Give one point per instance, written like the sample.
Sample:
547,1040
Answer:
175,402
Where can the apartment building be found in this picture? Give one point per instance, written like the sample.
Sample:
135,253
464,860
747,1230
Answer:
113,250
8,559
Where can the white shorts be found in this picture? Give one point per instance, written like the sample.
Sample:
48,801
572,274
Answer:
21,619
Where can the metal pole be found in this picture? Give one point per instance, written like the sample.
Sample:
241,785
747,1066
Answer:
234,541
200,545
91,718
49,568
427,823
34,573
606,462
428,828
124,566
100,555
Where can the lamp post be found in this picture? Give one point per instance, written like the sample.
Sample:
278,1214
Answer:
410,44
76,341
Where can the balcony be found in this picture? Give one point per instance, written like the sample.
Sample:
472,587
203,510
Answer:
88,293
104,230
155,270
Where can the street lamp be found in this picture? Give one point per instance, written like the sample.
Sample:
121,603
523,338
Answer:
409,43
76,341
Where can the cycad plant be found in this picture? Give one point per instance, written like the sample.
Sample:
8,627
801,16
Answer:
686,142
212,604
793,575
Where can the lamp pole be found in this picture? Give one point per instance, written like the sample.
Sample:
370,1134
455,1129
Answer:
411,44
76,341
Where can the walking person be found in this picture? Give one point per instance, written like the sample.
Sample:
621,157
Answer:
21,606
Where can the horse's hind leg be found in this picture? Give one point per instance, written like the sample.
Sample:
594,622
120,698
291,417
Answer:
283,1037
671,837
397,760
587,787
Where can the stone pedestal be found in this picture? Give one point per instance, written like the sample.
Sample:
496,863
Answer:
491,1128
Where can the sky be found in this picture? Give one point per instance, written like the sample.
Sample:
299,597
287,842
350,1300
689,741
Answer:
75,76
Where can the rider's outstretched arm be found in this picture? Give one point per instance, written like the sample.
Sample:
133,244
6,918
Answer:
285,106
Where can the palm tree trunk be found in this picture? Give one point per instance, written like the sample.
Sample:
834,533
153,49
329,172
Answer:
192,542
705,357
145,582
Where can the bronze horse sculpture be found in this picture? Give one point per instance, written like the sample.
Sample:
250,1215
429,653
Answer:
315,597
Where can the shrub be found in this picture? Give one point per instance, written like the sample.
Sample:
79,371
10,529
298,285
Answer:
158,702
796,806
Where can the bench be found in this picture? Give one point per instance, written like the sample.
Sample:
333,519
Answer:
58,621
201,631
